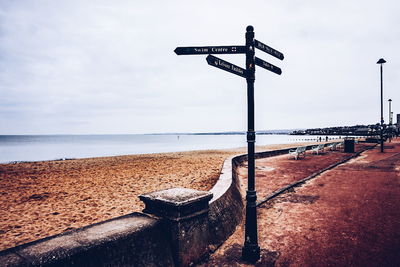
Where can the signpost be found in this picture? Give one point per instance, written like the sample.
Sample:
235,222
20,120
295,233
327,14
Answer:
225,65
198,50
268,50
250,250
268,66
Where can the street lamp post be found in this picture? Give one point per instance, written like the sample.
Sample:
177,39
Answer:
381,62
390,129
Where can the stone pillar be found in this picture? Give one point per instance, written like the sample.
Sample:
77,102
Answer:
185,213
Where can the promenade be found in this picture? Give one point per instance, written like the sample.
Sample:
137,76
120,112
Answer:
346,216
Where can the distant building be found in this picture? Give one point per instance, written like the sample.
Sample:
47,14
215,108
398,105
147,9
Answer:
398,121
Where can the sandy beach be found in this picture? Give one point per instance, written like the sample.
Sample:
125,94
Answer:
39,199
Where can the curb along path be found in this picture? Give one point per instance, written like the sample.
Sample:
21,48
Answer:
297,183
277,174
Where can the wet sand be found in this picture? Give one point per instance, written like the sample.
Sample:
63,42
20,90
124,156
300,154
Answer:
40,199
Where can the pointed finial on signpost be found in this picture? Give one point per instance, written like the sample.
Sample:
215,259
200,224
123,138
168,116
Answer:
250,28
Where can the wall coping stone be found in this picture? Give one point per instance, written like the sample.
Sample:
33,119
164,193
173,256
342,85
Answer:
176,196
224,180
176,203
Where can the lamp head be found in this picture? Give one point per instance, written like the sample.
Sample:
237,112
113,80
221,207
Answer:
381,61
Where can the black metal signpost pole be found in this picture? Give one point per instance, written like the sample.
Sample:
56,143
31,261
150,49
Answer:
251,250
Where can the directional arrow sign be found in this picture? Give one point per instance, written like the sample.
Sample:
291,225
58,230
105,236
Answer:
198,50
224,65
268,66
268,49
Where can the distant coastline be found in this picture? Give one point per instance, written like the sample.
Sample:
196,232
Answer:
168,133
22,148
229,133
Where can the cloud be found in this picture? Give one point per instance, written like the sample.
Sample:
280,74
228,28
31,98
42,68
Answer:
109,67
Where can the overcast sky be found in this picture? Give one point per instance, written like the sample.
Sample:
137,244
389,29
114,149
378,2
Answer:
91,67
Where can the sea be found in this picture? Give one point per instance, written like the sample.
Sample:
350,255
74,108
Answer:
22,148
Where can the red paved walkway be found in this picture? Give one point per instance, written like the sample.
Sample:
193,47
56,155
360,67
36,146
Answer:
348,216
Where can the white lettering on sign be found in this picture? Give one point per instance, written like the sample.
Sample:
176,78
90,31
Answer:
263,47
201,50
267,65
269,50
237,69
228,66
219,49
223,64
